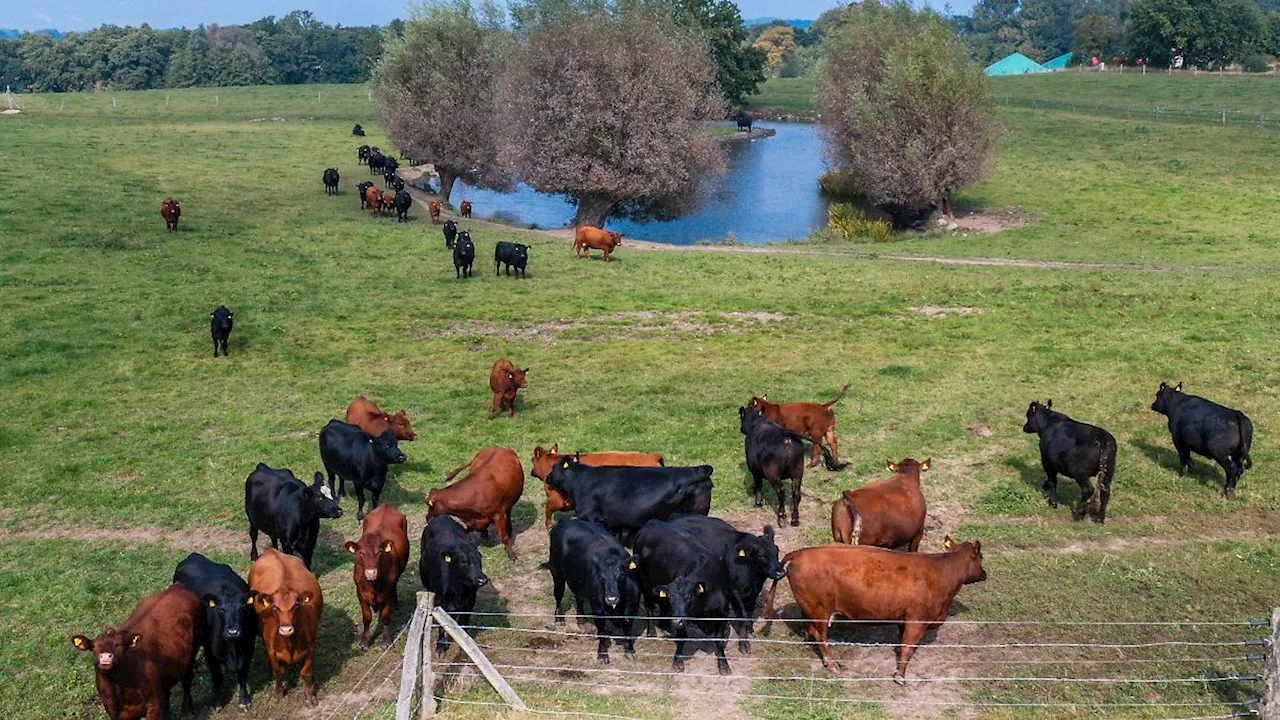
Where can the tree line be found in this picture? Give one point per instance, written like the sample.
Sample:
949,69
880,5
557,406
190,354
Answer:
293,49
1196,33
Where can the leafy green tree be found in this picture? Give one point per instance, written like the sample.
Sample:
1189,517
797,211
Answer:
994,30
1050,25
1206,33
1099,36
12,73
1272,43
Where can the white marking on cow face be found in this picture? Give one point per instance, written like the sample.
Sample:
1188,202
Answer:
325,491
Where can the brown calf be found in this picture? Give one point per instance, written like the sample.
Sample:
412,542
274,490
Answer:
912,590
388,202
815,422
288,601
464,208
886,513
136,665
504,380
433,208
586,239
544,460
170,210
363,412
381,556
485,495
373,198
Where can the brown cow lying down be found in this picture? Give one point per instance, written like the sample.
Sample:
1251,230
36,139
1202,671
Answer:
137,664
911,590
485,495
544,460
586,239
886,513
371,419
288,601
382,553
815,422
504,380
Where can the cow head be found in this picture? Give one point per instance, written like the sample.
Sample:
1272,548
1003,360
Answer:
321,499
748,418
558,474
108,648
1038,417
543,460
464,241
400,426
616,237
614,568
517,376
373,554
760,404
283,606
228,614
386,449
909,466
680,597
462,564
971,552
760,553
1164,396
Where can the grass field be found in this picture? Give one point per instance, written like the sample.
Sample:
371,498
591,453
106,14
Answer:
125,445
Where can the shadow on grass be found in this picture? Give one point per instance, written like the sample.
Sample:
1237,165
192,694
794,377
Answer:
1205,472
524,515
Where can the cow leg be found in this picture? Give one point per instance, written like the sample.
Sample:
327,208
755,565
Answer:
215,674
366,615
831,442
308,690
677,660
1104,497
359,503
744,635
1086,499
253,542
629,644
557,582
160,710
782,498
795,500
722,639
277,671
242,677
375,495
224,348
1233,470
385,617
1184,458
915,541
817,631
757,484
602,644
493,407
275,543
817,451
1050,486
189,705
215,347
503,521
912,634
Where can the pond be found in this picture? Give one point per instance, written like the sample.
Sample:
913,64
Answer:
769,193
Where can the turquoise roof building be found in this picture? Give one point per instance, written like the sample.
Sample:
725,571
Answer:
1015,64
1059,63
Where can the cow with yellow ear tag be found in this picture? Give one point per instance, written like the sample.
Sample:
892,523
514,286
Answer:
381,555
232,624
451,568
886,513
593,563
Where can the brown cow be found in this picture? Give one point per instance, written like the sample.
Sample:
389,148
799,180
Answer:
815,422
465,208
912,590
288,601
363,412
544,460
136,665
586,239
381,556
504,380
433,209
373,198
485,496
170,210
388,202
886,513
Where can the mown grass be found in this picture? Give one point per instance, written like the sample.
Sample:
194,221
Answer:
117,421
1205,91
785,96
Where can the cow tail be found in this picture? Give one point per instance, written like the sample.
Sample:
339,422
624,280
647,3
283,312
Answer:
1246,439
838,396
1108,463
830,462
454,472
773,590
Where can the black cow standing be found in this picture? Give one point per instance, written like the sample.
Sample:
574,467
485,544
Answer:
464,255
287,510
451,569
601,574
388,179
750,560
398,184
390,164
744,121
511,254
1077,450
623,499
330,181
230,621
450,233
376,163
364,201
776,453
362,154
356,456
221,320
685,586
357,130
1209,429
404,201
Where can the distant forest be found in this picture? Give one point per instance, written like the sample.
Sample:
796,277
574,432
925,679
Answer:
293,49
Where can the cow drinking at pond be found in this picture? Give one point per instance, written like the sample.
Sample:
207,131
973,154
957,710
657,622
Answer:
289,604
886,513
287,510
776,453
814,421
544,460
170,210
1075,449
371,419
355,456
221,320
485,495
232,626
602,576
505,380
1209,429
451,569
381,555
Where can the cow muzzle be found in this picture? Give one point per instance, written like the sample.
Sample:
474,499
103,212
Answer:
678,623
232,633
285,630
778,574
612,602
106,661
371,575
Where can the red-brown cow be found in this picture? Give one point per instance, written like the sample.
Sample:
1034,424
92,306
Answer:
586,239
886,513
464,208
504,380
373,198
544,460
815,422
911,590
288,601
388,202
170,210
137,664
363,412
381,556
485,495
433,209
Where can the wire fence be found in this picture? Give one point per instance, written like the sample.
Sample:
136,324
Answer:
1257,120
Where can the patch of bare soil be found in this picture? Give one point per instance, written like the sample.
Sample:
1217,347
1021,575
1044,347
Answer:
629,325
988,221
939,312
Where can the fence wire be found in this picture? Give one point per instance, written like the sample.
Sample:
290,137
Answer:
1253,119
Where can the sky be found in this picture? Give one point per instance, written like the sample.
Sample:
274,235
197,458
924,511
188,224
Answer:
69,15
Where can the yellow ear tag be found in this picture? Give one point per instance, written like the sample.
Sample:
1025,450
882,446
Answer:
387,547
631,565
77,641
742,553
701,589
662,593
134,641
212,604
248,600
448,559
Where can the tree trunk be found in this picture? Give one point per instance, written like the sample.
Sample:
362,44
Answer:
446,184
945,207
593,209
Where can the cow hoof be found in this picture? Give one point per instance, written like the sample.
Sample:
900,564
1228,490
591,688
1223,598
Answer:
744,647
244,707
602,659
1099,520
759,503
631,654
724,669
678,666
795,522
899,680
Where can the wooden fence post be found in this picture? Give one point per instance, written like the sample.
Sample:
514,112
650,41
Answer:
427,706
1271,672
412,658
473,651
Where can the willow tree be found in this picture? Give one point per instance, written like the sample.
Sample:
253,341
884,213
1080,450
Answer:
904,109
436,86
605,108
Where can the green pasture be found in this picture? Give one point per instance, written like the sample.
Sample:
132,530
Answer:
125,445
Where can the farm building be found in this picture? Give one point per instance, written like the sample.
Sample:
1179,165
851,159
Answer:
1059,63
1015,64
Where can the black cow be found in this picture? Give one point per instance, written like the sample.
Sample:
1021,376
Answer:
330,179
623,499
376,163
221,321
744,121
464,255
601,574
388,179
1077,450
450,232
685,586
356,456
511,254
390,164
230,621
287,510
450,567
749,559
398,184
364,202
1206,428
404,201
362,154
776,453
357,130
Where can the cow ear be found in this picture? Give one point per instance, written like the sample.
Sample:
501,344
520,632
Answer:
82,643
1049,403
317,480
925,465
306,599
351,547
252,595
1179,387
977,545
662,592
765,396
891,466
1163,385
555,447
948,543
742,552
387,546
133,641
768,531
210,600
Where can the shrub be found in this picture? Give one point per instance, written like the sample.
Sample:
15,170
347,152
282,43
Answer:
840,185
1256,64
847,222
